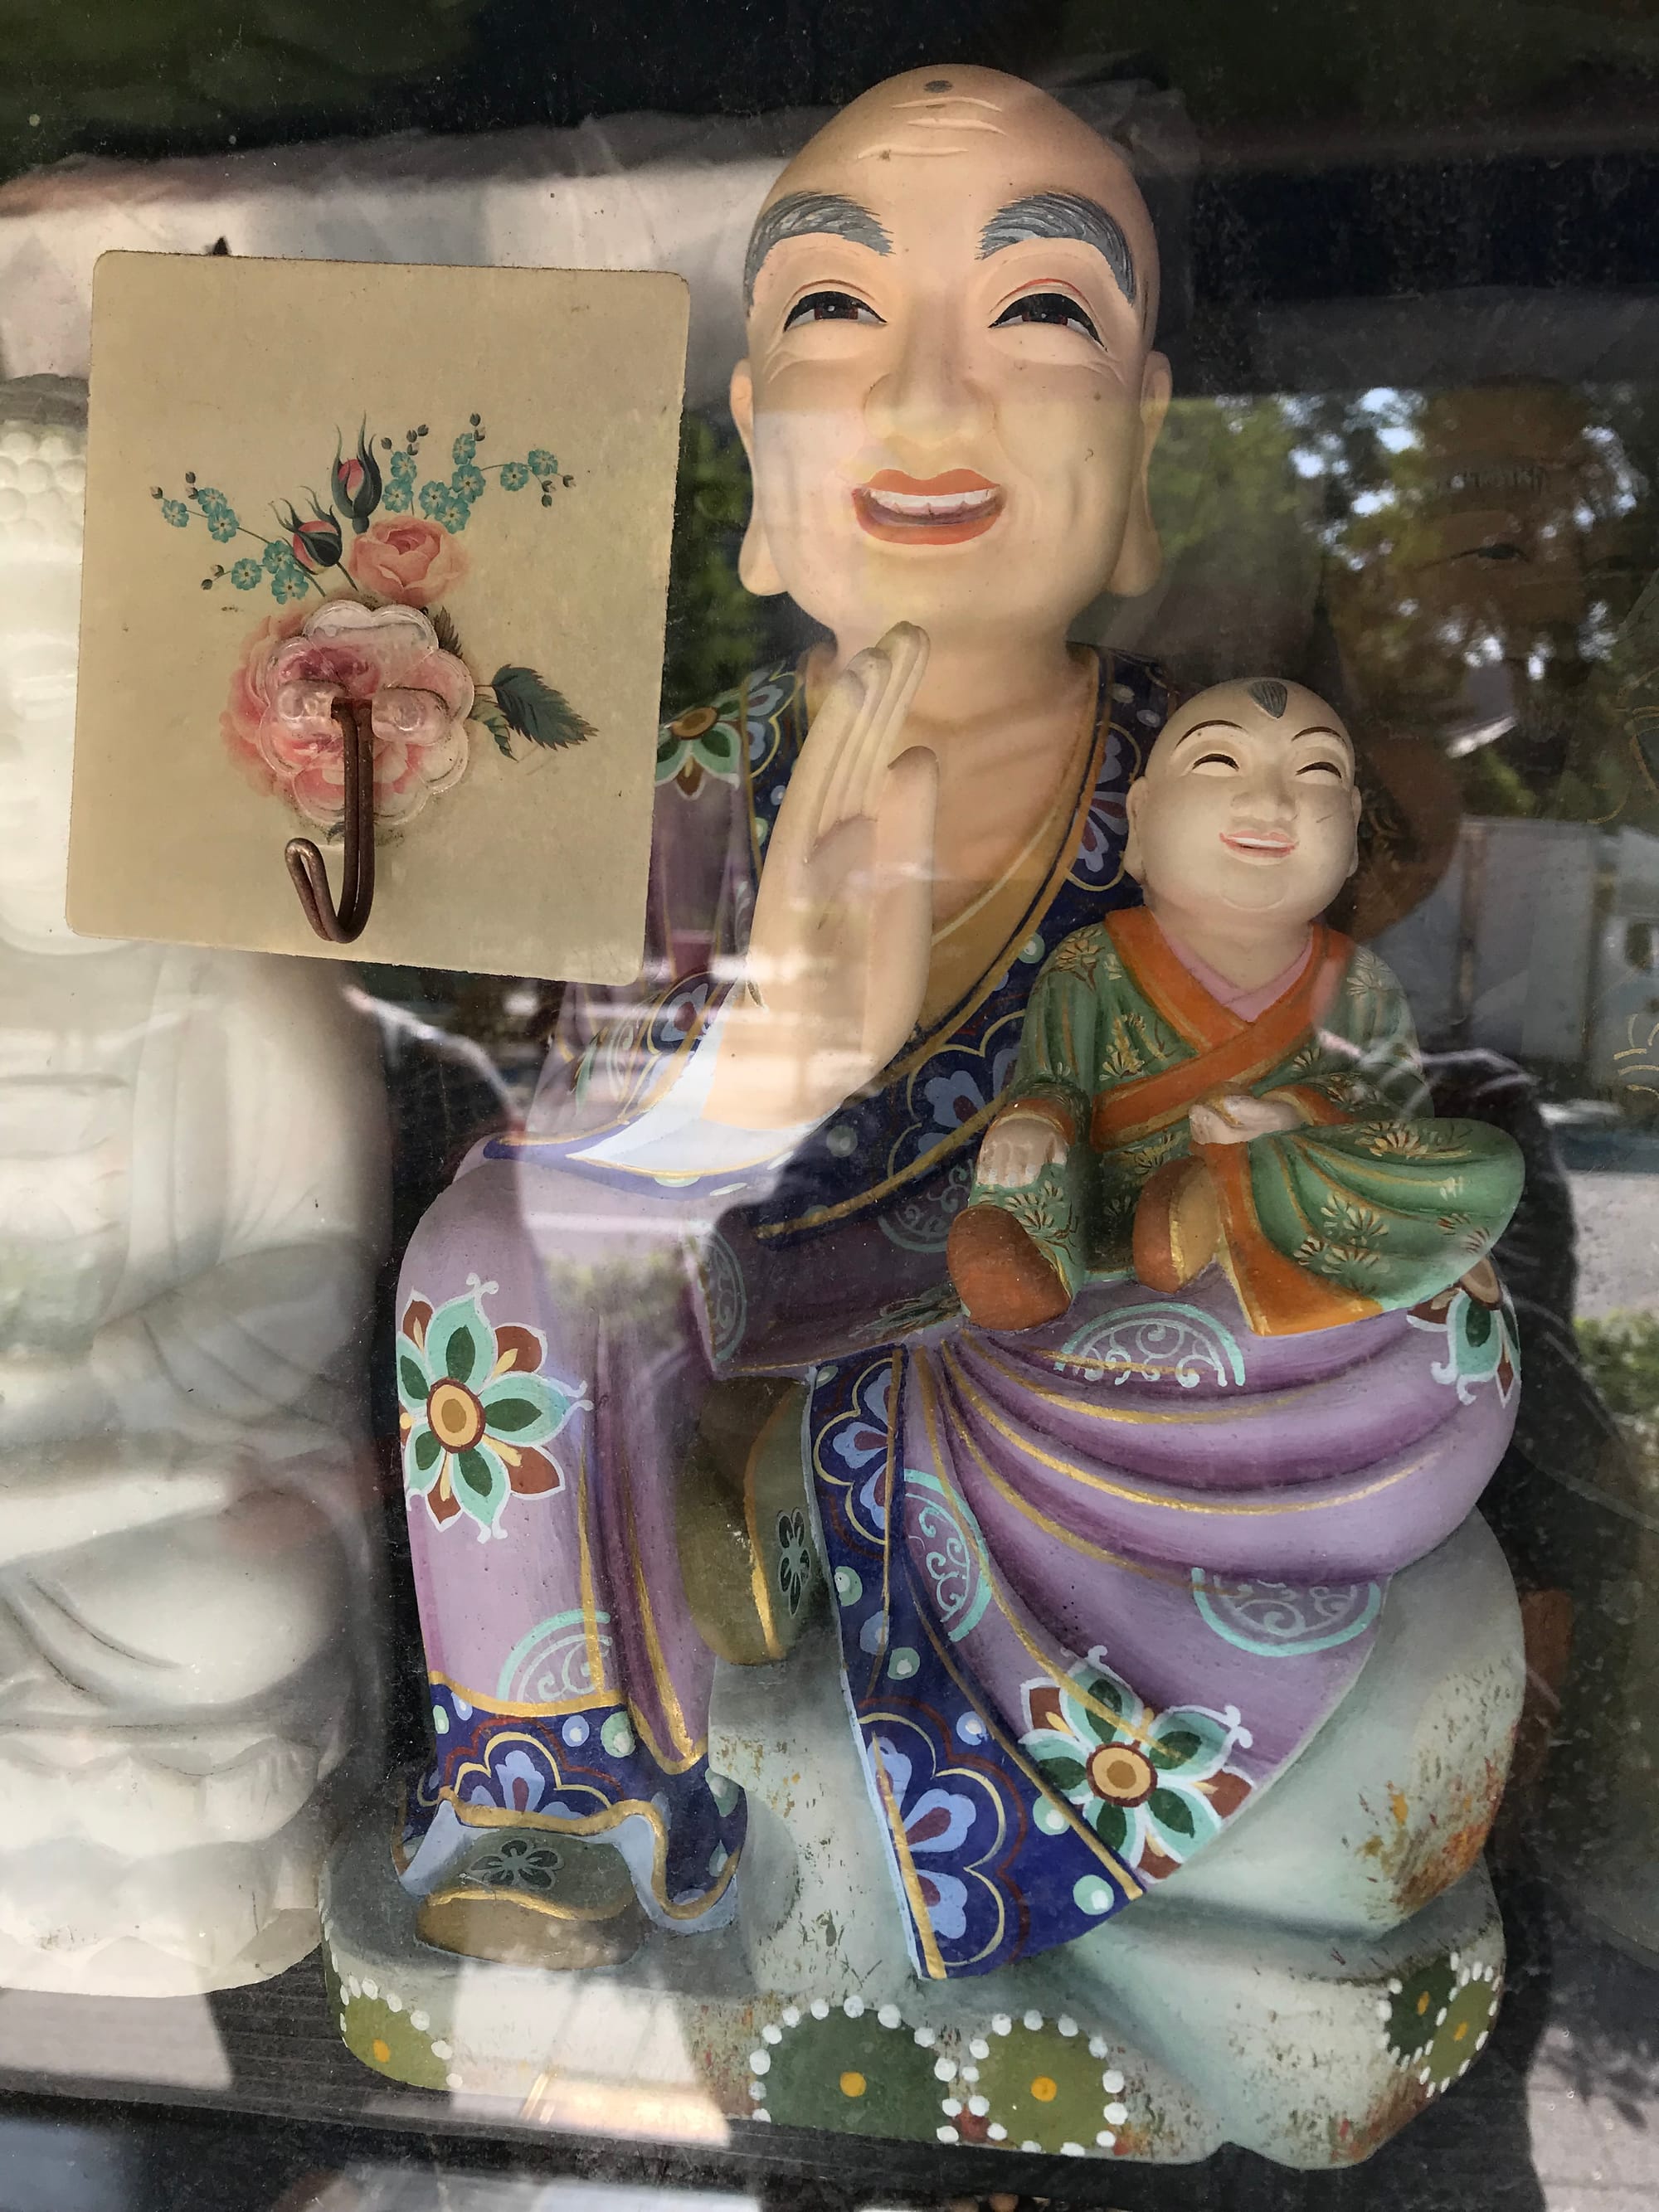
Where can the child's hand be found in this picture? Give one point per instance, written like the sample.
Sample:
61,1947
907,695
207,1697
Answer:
1018,1147
1237,1117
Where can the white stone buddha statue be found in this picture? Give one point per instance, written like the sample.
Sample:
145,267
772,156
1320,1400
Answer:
191,1210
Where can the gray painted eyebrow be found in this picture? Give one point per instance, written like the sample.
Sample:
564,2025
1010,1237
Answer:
800,214
1063,215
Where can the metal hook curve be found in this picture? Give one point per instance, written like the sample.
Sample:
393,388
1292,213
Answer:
341,924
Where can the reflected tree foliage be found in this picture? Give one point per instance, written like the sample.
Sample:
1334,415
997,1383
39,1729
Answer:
1485,546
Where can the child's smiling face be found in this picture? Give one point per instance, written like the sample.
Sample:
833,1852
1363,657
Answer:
1249,807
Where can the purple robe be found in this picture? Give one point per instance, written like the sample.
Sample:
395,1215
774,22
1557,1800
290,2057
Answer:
1095,1585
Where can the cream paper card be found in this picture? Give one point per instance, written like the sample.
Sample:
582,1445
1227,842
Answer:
445,495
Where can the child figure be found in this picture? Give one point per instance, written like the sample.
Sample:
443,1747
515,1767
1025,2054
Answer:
1217,1075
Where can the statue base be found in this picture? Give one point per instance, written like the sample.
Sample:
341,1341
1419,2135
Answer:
1304,1989
80,1920
680,2045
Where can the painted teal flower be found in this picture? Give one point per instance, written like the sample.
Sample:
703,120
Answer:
1152,1786
434,494
703,741
543,463
245,574
289,583
515,474
175,512
400,469
222,525
399,497
468,482
463,448
477,1410
455,513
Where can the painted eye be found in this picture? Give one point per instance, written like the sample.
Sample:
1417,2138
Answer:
1330,768
1057,308
829,307
1215,764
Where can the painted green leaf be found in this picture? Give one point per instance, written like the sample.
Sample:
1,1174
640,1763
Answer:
427,1450
1174,1811
491,718
1179,1749
512,1414
475,1472
1111,1825
449,640
1098,1691
719,747
536,710
413,1378
461,1355
1061,1774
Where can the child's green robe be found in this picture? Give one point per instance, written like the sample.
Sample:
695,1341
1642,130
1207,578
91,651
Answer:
1371,1204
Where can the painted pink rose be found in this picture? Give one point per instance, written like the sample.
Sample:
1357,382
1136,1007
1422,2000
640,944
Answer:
409,560
244,708
421,698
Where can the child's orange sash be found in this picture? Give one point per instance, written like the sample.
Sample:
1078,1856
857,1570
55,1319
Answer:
1228,1053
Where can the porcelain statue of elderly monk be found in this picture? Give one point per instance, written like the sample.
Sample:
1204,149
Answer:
191,1202
691,1340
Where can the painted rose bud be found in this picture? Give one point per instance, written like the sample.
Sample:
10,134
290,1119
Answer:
355,483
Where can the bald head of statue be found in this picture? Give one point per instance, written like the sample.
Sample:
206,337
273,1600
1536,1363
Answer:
951,396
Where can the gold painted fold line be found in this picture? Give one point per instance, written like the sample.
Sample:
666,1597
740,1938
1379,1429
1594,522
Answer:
496,1709
947,1149
1176,1578
509,1710
1065,1680
930,1951
661,1072
1059,1463
1131,1884
1011,1745
1035,914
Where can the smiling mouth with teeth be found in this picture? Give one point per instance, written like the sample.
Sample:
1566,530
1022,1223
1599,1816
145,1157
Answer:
942,510
1258,844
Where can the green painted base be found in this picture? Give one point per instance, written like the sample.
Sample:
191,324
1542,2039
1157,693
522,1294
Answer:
677,2044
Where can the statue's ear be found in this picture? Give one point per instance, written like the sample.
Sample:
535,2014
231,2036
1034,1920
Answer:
755,567
1133,800
1358,806
1140,555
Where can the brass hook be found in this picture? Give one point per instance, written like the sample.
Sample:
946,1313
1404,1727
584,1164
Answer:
305,863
